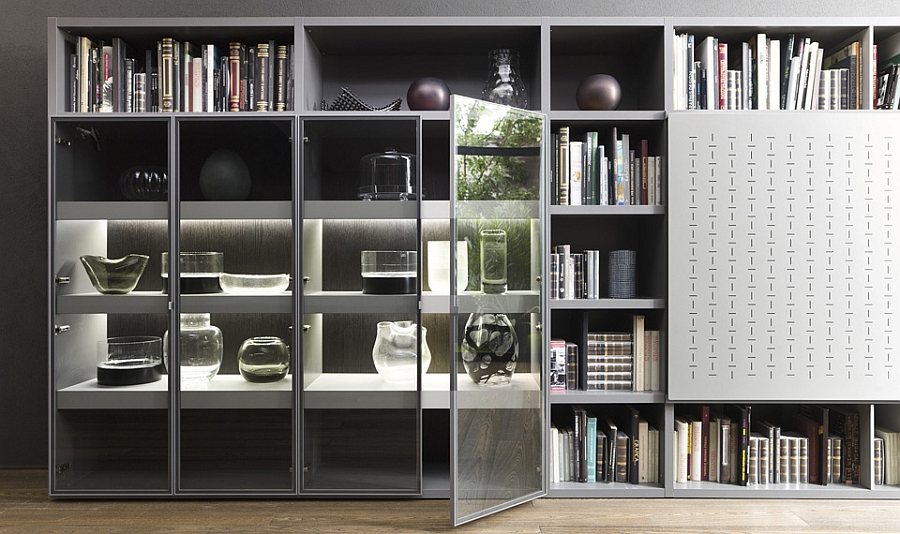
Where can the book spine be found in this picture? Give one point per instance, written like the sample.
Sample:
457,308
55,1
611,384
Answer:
234,76
572,368
262,74
621,457
129,86
166,75
558,365
140,92
280,87
576,163
564,173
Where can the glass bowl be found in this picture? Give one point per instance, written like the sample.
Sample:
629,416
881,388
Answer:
116,276
128,360
389,271
199,271
254,283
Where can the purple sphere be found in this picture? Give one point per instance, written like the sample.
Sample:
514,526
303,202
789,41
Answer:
598,92
427,93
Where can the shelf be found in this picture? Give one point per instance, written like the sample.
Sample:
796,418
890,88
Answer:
237,209
607,397
600,490
781,491
134,302
608,304
359,209
369,390
610,116
112,210
497,209
222,392
509,302
580,211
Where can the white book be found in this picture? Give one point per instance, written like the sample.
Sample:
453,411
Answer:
761,56
835,100
651,180
653,456
815,78
643,451
809,82
603,174
824,90
803,74
626,169
679,83
746,85
648,355
681,448
554,454
576,172
774,74
793,77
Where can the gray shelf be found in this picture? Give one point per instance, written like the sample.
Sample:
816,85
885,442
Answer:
780,491
225,303
608,304
581,211
608,397
112,210
237,209
134,302
359,209
357,302
605,490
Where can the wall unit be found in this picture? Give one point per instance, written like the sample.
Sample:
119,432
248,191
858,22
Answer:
302,217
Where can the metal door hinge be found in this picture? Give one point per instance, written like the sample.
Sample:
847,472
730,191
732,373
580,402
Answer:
60,328
63,279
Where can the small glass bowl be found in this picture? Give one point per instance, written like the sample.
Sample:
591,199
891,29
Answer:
129,360
254,283
117,276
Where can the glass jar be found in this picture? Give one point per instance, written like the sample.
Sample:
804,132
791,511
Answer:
504,83
200,348
395,351
264,359
493,261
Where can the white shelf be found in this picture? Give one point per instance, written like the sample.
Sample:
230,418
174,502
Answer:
369,390
134,302
608,304
357,302
228,303
359,209
222,392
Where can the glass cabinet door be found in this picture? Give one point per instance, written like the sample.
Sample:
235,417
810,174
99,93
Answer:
497,402
233,352
364,351
109,395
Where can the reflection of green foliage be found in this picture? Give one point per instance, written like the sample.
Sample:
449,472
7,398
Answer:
518,249
497,177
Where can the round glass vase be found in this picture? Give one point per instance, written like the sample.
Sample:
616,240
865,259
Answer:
396,350
200,349
504,83
264,359
490,349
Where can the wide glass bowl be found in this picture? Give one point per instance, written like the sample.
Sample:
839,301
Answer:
129,360
254,283
200,271
115,276
389,271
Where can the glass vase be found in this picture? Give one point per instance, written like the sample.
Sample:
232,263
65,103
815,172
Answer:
493,261
200,349
504,83
264,359
395,351
490,349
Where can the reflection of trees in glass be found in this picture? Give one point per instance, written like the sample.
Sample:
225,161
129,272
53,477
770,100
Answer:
497,177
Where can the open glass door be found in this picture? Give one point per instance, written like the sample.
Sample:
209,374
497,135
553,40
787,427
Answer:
497,406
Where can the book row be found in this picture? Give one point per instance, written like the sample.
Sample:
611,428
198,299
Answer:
811,445
887,93
613,361
602,447
766,73
588,172
576,275
180,76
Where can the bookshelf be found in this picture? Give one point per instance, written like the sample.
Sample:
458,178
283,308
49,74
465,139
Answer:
303,207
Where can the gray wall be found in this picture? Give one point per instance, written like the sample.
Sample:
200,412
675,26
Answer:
23,148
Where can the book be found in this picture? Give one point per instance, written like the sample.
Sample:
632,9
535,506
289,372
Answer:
557,365
643,451
576,155
572,366
740,421
845,424
682,449
774,74
753,460
281,76
787,55
701,414
610,429
835,451
637,335
622,448
772,433
813,423
564,174
723,447
167,75
591,449
878,462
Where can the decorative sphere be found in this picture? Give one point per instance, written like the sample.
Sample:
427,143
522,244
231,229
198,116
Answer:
225,176
428,93
598,92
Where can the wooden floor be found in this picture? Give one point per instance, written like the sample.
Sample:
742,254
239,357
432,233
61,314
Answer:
25,508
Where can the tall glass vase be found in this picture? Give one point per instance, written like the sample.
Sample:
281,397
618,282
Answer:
200,349
490,349
504,83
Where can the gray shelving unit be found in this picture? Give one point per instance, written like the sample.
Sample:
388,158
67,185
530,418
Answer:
159,440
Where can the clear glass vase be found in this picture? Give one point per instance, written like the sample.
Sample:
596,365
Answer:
201,349
395,351
264,359
504,83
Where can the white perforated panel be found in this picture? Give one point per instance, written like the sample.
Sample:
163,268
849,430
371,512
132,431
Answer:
782,231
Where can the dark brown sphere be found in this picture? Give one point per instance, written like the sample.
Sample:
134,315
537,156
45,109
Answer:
427,93
598,92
